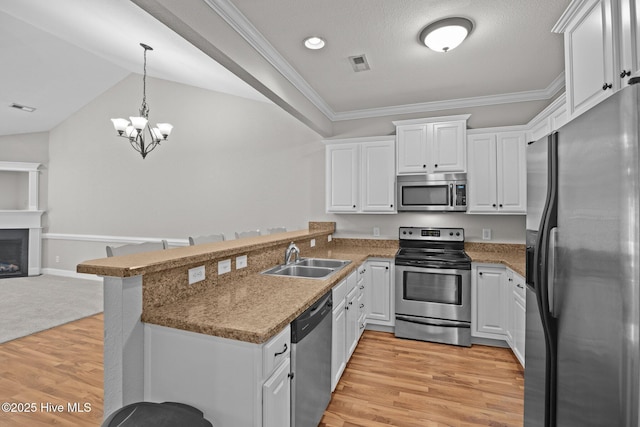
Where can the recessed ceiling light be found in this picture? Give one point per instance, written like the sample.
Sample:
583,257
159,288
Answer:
23,107
314,42
446,34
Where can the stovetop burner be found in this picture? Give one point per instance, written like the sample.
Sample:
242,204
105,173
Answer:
432,248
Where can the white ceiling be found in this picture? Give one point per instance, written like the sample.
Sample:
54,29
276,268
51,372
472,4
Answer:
61,60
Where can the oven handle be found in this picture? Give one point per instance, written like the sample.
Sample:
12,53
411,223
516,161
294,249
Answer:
451,195
434,322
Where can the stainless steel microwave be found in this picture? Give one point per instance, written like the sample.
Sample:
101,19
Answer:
432,192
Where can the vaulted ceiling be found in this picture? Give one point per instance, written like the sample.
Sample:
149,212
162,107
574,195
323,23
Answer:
67,52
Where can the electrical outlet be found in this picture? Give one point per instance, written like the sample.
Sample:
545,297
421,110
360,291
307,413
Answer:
241,262
196,274
486,234
313,243
329,238
376,231
224,266
57,258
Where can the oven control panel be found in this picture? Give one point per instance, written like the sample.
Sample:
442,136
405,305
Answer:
432,234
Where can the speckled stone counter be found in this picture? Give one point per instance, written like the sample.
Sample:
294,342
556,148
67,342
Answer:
256,307
511,255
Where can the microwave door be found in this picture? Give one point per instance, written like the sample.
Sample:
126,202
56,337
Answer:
422,197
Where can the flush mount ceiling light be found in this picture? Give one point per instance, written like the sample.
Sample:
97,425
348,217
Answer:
446,34
134,130
314,43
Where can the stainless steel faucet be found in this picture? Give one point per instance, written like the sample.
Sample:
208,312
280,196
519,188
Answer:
292,249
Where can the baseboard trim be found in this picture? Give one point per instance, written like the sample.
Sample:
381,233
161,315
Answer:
70,273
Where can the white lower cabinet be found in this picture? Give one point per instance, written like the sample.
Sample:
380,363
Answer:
345,335
491,302
234,383
518,316
380,301
276,397
499,306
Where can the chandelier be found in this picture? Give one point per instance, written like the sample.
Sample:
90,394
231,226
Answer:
134,130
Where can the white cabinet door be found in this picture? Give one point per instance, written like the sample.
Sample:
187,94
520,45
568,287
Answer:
512,172
628,65
352,330
482,175
448,147
492,300
379,291
342,177
378,176
338,342
412,148
518,319
589,56
276,397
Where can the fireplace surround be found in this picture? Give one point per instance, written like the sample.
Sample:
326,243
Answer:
25,222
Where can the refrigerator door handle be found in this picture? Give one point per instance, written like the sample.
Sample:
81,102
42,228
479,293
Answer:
551,270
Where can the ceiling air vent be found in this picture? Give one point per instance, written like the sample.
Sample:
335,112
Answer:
359,63
23,107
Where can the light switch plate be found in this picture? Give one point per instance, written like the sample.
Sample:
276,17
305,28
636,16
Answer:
241,262
376,231
313,242
224,266
196,274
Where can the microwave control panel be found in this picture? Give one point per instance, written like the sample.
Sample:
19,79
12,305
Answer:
461,195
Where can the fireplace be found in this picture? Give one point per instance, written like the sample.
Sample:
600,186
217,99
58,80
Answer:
14,253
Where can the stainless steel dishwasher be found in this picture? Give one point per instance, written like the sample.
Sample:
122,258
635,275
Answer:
311,363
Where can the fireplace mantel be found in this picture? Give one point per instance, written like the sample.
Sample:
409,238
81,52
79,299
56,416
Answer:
30,218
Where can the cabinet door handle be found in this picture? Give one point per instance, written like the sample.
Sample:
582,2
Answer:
386,268
624,74
361,305
362,287
391,205
510,279
494,205
500,204
284,350
519,286
480,273
424,166
435,166
354,206
607,86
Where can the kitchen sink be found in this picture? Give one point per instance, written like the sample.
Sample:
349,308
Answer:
309,268
320,262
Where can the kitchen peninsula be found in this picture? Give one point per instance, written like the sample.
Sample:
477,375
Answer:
150,291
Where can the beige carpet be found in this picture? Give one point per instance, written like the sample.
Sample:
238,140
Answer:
33,304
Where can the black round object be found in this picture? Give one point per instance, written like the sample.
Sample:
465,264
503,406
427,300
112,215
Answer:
149,414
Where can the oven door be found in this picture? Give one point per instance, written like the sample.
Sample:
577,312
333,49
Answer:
433,292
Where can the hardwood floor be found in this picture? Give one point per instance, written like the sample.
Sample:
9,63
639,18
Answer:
60,366
406,383
388,382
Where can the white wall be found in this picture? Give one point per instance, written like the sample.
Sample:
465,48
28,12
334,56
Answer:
30,148
230,164
504,228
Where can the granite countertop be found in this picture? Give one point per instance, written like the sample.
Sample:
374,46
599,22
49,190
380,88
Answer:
256,307
511,255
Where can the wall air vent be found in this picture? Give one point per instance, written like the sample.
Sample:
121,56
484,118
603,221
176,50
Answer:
359,63
23,107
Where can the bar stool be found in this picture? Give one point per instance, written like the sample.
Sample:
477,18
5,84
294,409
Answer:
251,233
136,248
210,238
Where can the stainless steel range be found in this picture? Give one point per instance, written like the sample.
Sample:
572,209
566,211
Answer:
433,286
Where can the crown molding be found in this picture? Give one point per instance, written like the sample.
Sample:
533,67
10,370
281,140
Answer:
232,16
479,101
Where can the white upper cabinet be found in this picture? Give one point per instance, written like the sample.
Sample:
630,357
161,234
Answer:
378,176
601,50
342,183
360,175
434,145
497,173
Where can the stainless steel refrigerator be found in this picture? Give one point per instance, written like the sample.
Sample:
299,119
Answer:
582,364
